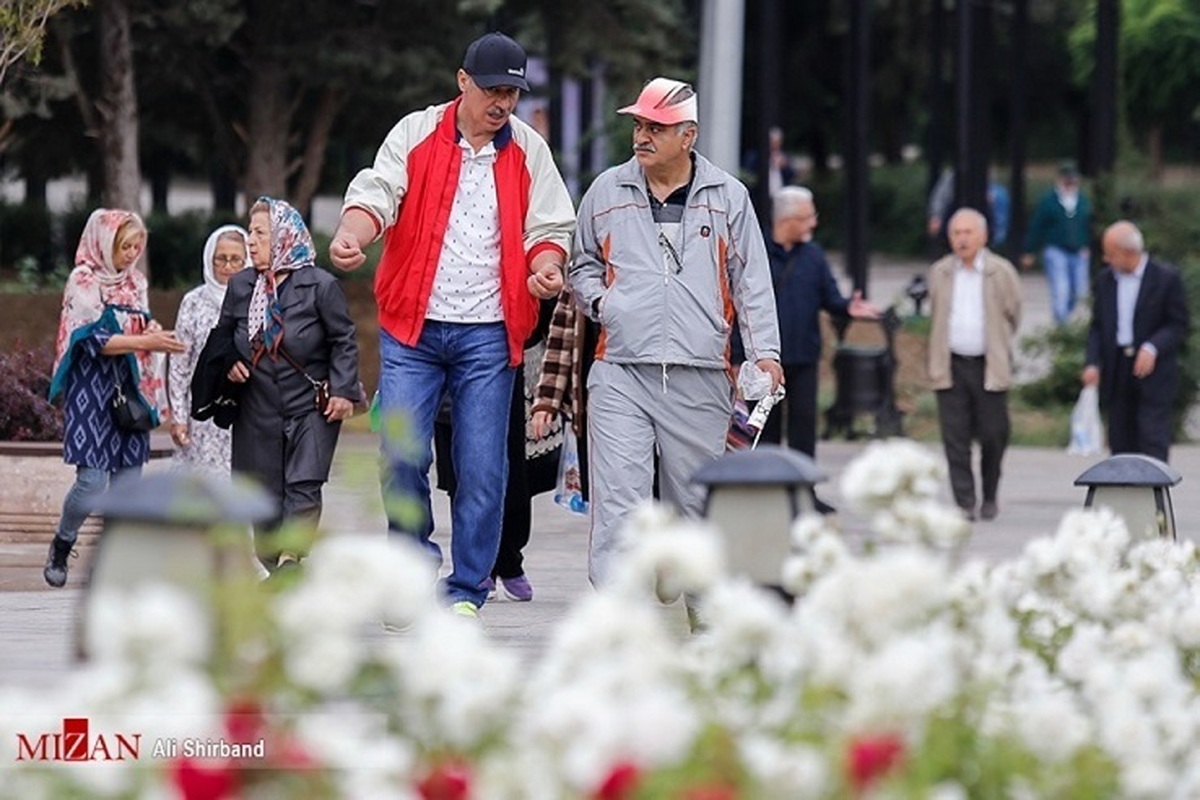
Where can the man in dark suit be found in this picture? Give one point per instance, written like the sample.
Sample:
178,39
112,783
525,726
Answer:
1139,324
804,285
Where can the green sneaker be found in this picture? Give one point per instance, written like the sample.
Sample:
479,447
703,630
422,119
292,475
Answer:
465,608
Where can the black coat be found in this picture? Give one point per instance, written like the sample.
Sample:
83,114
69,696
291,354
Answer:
1160,317
279,436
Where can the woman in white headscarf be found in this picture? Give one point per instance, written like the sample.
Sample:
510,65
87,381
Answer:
203,445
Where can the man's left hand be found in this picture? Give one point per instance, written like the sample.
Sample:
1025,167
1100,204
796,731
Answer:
772,368
339,408
546,282
1143,363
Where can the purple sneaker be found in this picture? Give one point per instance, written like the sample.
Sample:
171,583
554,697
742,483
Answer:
517,588
490,585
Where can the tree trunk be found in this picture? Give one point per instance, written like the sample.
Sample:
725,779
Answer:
1154,150
323,117
267,136
118,107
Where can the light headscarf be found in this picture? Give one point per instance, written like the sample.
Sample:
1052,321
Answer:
212,287
96,283
291,249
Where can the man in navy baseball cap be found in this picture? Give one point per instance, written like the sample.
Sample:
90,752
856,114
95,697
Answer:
496,60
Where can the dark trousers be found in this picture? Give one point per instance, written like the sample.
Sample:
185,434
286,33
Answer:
518,512
1138,421
799,407
967,413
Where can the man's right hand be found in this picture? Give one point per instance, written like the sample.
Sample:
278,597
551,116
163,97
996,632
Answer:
1090,376
1027,261
345,252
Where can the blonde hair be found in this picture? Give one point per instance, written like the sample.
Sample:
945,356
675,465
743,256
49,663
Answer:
129,230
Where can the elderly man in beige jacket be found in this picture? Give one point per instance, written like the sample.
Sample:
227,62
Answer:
975,306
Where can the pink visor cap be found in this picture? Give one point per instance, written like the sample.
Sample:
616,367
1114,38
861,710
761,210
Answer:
665,101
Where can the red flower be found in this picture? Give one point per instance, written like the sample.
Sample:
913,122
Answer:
620,783
245,721
204,780
870,757
449,780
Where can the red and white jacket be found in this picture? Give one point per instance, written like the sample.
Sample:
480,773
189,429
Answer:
409,193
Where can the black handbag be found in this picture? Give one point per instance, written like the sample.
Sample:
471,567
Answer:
130,412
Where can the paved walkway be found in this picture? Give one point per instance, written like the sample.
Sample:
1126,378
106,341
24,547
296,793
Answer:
36,627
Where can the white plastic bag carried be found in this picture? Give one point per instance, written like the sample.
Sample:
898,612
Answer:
1087,432
568,491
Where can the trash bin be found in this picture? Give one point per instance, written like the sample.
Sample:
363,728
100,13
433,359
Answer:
865,382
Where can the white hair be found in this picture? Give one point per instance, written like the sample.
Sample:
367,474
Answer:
788,200
1129,238
974,214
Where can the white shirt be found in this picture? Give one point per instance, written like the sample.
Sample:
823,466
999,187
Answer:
466,287
1128,286
966,310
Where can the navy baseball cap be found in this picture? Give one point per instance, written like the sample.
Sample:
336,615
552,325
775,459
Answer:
496,60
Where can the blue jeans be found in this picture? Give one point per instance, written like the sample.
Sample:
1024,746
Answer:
470,362
1069,279
90,483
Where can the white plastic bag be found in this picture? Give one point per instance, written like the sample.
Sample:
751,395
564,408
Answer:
1087,432
754,382
568,491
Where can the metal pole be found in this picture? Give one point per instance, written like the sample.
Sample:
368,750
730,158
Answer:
858,142
969,190
1104,88
720,84
769,59
1020,43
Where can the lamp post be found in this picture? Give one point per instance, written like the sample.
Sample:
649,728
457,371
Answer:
165,528
1137,488
754,497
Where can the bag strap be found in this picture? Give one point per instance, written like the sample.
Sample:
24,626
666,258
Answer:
296,366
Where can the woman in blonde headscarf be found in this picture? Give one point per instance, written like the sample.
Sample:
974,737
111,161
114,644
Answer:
203,445
106,340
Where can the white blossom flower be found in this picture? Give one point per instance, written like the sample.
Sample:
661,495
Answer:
888,470
668,555
154,625
786,770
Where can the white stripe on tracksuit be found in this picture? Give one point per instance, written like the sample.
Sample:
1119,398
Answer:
629,413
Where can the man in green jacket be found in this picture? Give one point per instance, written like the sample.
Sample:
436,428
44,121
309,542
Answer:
1061,227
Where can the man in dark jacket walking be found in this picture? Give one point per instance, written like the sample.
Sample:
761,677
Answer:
1139,323
804,285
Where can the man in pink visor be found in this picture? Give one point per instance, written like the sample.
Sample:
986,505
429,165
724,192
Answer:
667,253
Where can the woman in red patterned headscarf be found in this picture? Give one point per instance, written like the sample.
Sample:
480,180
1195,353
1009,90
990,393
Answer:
106,340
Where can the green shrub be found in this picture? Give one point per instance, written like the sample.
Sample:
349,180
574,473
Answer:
25,236
896,207
1064,347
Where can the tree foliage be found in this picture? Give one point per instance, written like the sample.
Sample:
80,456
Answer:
1158,63
23,28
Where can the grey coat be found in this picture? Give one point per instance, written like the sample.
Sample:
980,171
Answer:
653,315
279,437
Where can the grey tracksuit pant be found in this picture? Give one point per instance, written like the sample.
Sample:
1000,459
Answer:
632,409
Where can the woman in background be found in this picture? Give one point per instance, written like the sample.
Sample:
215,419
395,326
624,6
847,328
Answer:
203,445
106,339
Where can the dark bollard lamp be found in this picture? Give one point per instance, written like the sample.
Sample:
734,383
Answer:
1137,488
181,528
754,497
